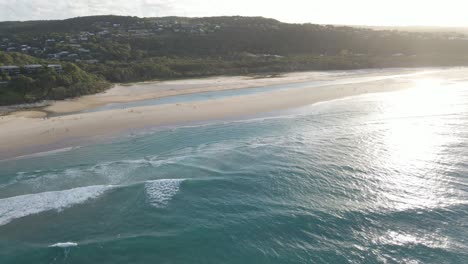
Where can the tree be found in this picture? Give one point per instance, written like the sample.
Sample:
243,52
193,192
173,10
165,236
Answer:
23,84
4,77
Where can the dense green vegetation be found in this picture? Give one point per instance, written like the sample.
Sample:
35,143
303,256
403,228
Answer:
124,49
46,83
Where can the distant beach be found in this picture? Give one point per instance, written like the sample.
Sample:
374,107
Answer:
24,132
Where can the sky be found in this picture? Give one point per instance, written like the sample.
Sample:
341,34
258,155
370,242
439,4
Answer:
350,12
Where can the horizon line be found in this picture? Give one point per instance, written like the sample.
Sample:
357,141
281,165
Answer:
285,22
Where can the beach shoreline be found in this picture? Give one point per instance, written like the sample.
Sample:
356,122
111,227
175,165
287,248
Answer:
27,132
140,91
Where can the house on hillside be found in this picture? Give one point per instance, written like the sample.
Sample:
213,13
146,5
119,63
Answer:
93,61
10,70
53,56
56,67
103,33
33,68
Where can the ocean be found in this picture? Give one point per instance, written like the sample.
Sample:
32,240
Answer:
377,178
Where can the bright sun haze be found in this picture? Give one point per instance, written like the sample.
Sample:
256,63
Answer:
358,12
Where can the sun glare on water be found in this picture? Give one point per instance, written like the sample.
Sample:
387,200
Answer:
417,132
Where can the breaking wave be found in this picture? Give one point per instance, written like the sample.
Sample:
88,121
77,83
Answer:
64,245
20,206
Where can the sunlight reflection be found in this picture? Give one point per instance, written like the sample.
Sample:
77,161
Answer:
416,132
433,240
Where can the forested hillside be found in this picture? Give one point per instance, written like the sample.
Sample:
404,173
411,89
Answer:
123,49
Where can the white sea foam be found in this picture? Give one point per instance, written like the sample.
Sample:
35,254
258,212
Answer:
160,192
120,172
20,206
64,244
44,153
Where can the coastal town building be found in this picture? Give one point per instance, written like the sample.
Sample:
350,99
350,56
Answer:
10,70
91,61
56,67
13,70
33,68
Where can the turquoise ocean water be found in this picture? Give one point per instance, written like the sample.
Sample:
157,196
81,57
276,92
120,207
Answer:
378,178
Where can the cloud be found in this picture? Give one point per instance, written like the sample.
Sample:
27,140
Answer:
385,12
49,9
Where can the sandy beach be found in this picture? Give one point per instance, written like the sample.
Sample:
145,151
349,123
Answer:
122,93
29,131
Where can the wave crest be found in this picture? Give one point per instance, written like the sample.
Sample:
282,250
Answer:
20,206
160,192
64,244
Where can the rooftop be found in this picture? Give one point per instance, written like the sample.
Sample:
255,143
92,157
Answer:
9,67
33,66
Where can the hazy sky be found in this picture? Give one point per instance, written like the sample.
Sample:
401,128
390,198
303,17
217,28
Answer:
357,12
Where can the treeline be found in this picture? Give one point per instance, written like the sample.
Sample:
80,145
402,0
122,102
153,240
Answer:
60,26
14,58
183,67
